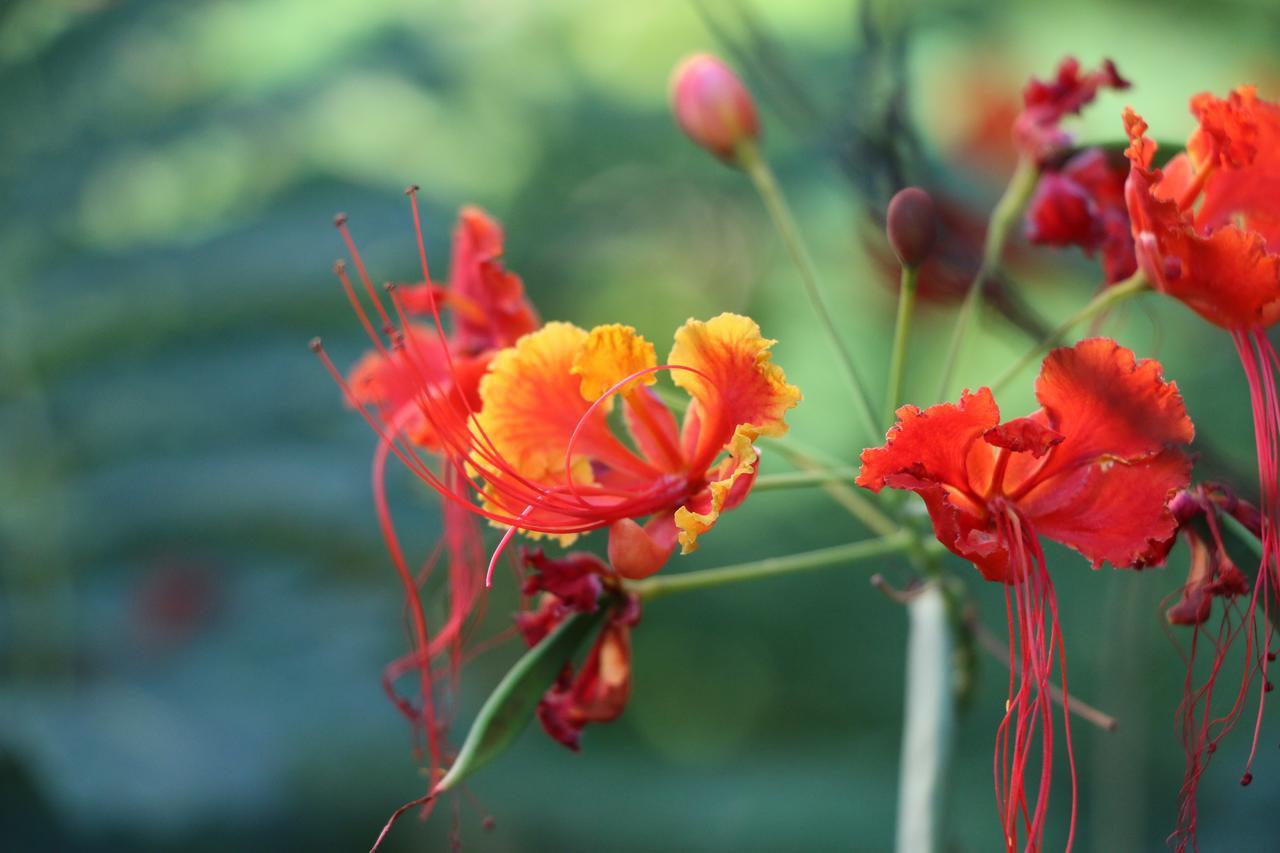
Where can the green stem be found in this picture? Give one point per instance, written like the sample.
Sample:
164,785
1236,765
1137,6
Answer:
928,725
901,334
662,585
853,500
751,160
802,479
1004,216
1105,300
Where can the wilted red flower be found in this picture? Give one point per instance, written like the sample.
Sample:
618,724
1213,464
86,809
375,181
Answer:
1212,575
418,388
1082,204
597,692
1036,130
1205,229
1093,469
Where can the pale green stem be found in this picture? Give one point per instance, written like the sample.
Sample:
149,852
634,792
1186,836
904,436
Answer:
1105,300
867,549
852,499
928,726
802,479
1004,217
753,162
901,335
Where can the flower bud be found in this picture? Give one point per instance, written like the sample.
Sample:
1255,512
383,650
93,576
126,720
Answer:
712,106
911,225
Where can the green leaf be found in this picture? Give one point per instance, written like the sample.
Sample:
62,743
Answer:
512,704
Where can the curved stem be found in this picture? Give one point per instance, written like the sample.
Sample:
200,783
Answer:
901,334
853,500
1004,216
802,479
867,549
767,186
1105,300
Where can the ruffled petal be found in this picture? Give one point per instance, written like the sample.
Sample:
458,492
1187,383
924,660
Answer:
1109,405
609,355
532,409
934,444
728,486
1224,274
733,381
1242,133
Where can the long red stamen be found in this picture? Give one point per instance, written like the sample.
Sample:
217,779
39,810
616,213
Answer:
1035,633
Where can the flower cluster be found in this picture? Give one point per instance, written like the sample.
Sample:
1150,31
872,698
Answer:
552,431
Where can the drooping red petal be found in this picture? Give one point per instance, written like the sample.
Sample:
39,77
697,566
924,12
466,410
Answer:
576,578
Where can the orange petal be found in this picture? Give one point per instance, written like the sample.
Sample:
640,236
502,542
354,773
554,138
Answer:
736,382
609,355
637,552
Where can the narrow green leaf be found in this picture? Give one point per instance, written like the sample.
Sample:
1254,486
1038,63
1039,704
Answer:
512,704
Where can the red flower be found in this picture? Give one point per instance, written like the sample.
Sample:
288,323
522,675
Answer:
1082,204
1093,469
1206,230
598,691
1044,104
418,389
1218,258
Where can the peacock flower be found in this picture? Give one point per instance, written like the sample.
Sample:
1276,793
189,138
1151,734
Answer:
597,692
1207,232
1093,469
551,463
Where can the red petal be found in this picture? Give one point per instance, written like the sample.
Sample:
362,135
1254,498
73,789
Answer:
933,444
1118,512
1024,435
1109,405
476,274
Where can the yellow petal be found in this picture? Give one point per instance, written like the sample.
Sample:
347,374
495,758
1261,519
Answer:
609,355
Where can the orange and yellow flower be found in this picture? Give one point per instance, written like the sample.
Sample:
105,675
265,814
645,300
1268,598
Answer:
550,462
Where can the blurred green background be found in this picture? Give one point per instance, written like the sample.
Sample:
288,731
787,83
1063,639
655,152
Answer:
195,605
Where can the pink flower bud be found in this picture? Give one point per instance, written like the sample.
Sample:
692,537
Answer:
911,225
712,106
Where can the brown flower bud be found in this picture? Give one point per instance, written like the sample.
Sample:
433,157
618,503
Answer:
712,106
912,226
